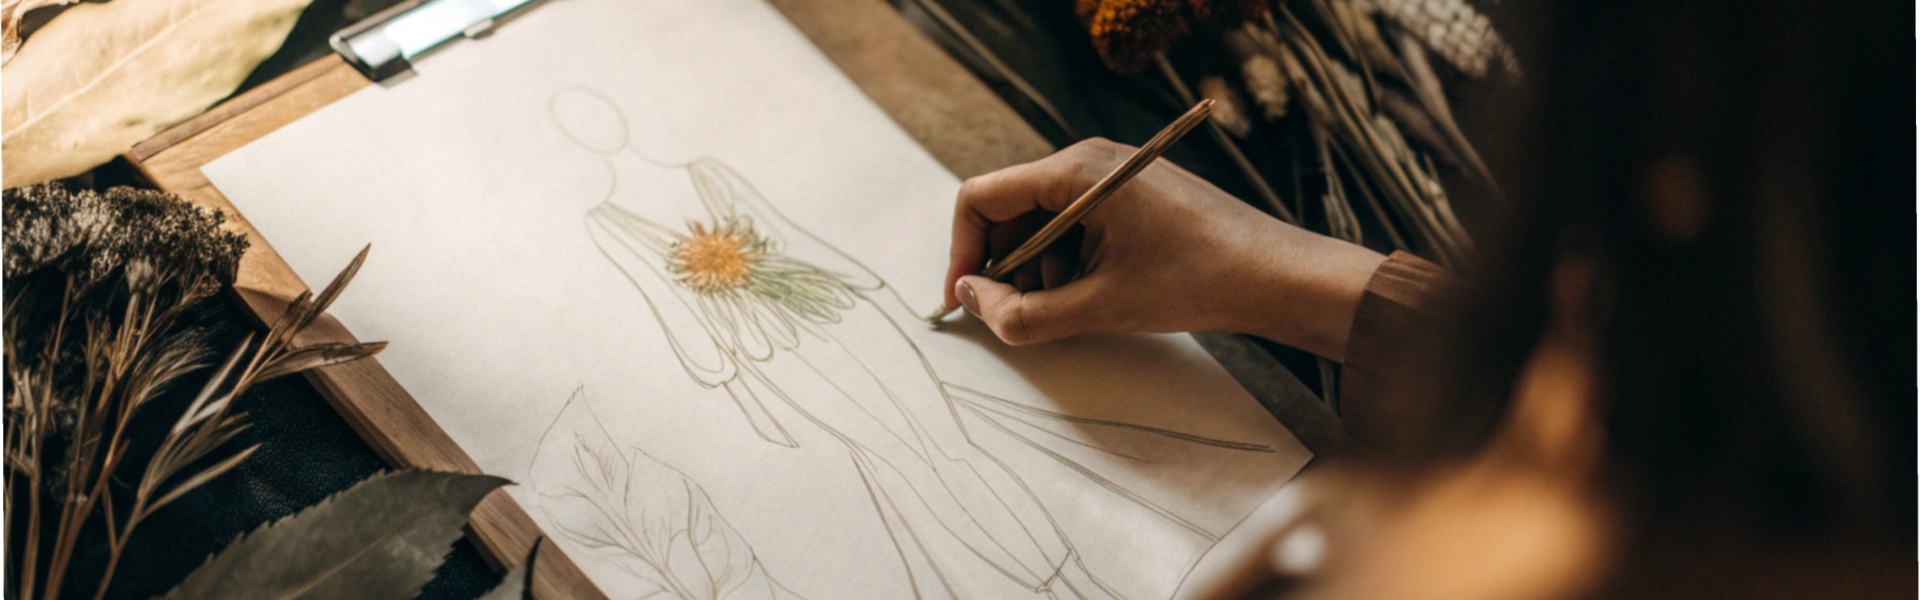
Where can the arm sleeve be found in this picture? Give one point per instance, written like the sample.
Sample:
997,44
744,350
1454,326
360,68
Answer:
1395,330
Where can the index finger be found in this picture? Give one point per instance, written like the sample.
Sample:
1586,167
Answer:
1048,184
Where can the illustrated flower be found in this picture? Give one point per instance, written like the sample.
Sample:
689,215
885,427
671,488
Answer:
733,287
715,261
742,280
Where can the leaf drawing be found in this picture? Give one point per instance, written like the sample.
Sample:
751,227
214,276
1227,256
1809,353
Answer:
657,526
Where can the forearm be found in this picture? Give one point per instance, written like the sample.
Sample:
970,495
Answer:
1308,289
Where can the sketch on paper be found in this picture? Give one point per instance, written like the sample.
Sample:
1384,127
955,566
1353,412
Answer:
642,515
791,329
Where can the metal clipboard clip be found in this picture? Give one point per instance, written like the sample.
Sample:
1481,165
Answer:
384,45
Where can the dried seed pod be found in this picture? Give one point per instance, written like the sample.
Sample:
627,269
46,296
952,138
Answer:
1267,85
1454,30
1228,111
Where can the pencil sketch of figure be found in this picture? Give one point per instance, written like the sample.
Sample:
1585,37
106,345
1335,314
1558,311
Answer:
780,319
648,519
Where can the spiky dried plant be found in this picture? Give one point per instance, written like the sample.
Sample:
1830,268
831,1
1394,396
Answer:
104,306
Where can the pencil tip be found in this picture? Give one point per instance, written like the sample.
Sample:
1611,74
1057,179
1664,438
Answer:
933,318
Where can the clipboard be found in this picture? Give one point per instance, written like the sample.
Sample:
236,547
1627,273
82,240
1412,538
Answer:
935,99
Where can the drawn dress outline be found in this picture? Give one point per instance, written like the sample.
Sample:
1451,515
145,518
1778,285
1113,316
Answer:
748,318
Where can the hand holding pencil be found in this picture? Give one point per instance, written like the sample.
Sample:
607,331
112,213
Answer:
1165,251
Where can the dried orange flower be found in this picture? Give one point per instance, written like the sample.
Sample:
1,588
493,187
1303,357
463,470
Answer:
1130,33
1228,12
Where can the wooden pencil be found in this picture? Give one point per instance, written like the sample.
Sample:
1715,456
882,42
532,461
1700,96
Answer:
1100,191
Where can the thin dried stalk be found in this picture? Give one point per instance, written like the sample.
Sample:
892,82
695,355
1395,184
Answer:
1426,88
1386,161
1000,68
1226,144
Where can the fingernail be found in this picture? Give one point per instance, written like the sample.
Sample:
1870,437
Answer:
967,300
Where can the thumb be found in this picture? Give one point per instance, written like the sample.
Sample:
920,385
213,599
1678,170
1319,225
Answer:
1021,318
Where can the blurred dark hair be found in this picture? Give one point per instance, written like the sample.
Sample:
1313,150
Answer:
1741,173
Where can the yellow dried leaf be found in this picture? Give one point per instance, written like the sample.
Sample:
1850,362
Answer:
101,77
11,13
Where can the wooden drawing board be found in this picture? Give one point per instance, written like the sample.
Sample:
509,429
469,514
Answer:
941,105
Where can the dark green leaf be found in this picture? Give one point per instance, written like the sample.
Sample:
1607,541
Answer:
518,583
382,538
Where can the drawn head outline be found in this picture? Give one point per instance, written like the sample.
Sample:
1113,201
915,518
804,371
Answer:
589,119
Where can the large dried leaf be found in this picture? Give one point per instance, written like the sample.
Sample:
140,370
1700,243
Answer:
382,538
101,77
518,583
11,13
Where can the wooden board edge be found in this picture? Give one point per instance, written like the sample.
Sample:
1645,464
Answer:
234,106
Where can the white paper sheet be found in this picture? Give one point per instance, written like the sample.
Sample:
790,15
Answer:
655,261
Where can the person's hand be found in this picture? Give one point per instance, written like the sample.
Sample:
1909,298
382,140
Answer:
1167,252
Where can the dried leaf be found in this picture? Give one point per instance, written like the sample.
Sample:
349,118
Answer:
11,13
100,77
518,583
318,355
333,289
188,418
282,328
203,477
382,538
